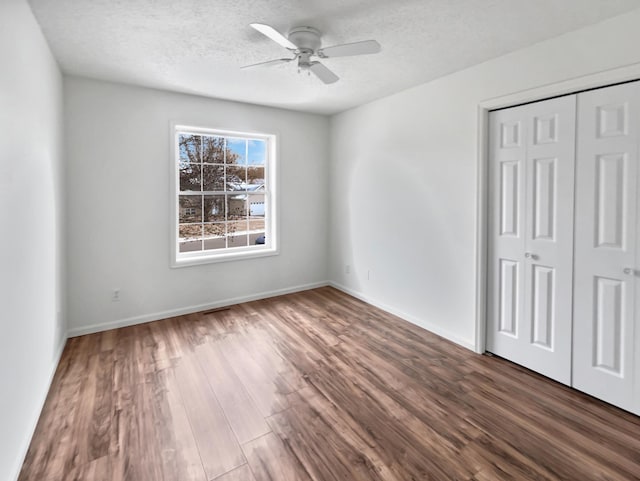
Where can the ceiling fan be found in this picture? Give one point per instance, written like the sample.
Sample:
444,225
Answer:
305,43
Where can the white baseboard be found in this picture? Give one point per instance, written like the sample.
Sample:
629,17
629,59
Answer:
407,317
105,326
43,399
156,316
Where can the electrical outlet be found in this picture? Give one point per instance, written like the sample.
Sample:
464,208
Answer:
115,295
347,269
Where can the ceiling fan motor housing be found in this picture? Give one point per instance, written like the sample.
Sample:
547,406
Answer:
305,38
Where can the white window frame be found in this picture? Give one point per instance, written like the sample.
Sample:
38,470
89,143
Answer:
269,248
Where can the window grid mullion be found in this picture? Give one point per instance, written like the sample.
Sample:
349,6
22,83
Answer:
226,199
201,194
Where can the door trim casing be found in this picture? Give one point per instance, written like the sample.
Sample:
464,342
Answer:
596,80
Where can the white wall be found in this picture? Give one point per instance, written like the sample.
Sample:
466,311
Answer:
118,148
32,330
404,172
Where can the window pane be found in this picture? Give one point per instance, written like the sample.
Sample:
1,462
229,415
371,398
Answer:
239,240
190,149
237,227
190,231
237,151
256,224
214,230
214,208
236,178
212,177
213,149
255,176
215,236
191,246
190,177
256,238
215,243
257,152
256,206
237,207
190,208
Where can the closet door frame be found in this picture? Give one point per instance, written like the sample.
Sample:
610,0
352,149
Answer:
599,80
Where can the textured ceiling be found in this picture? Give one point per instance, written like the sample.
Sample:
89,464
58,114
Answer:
198,46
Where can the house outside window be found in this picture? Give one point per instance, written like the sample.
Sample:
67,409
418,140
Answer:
223,186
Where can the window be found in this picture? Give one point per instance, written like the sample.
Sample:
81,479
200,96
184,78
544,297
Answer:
224,195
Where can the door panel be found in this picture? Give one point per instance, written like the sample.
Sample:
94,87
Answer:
509,198
544,198
611,171
542,317
531,235
609,297
508,293
606,244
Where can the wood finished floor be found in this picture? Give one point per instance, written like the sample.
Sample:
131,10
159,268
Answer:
313,386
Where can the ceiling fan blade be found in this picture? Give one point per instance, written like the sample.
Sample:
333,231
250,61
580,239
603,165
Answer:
269,63
323,73
274,35
344,50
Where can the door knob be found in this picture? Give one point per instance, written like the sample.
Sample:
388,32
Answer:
629,271
530,255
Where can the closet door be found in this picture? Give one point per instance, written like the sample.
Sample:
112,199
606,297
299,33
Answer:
606,270
531,189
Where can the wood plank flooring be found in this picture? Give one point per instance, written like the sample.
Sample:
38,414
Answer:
313,386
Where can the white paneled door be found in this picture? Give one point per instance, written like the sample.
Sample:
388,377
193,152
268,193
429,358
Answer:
531,185
606,246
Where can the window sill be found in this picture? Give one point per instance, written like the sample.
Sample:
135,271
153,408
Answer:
222,257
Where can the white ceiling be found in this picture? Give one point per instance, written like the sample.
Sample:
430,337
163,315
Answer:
198,46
